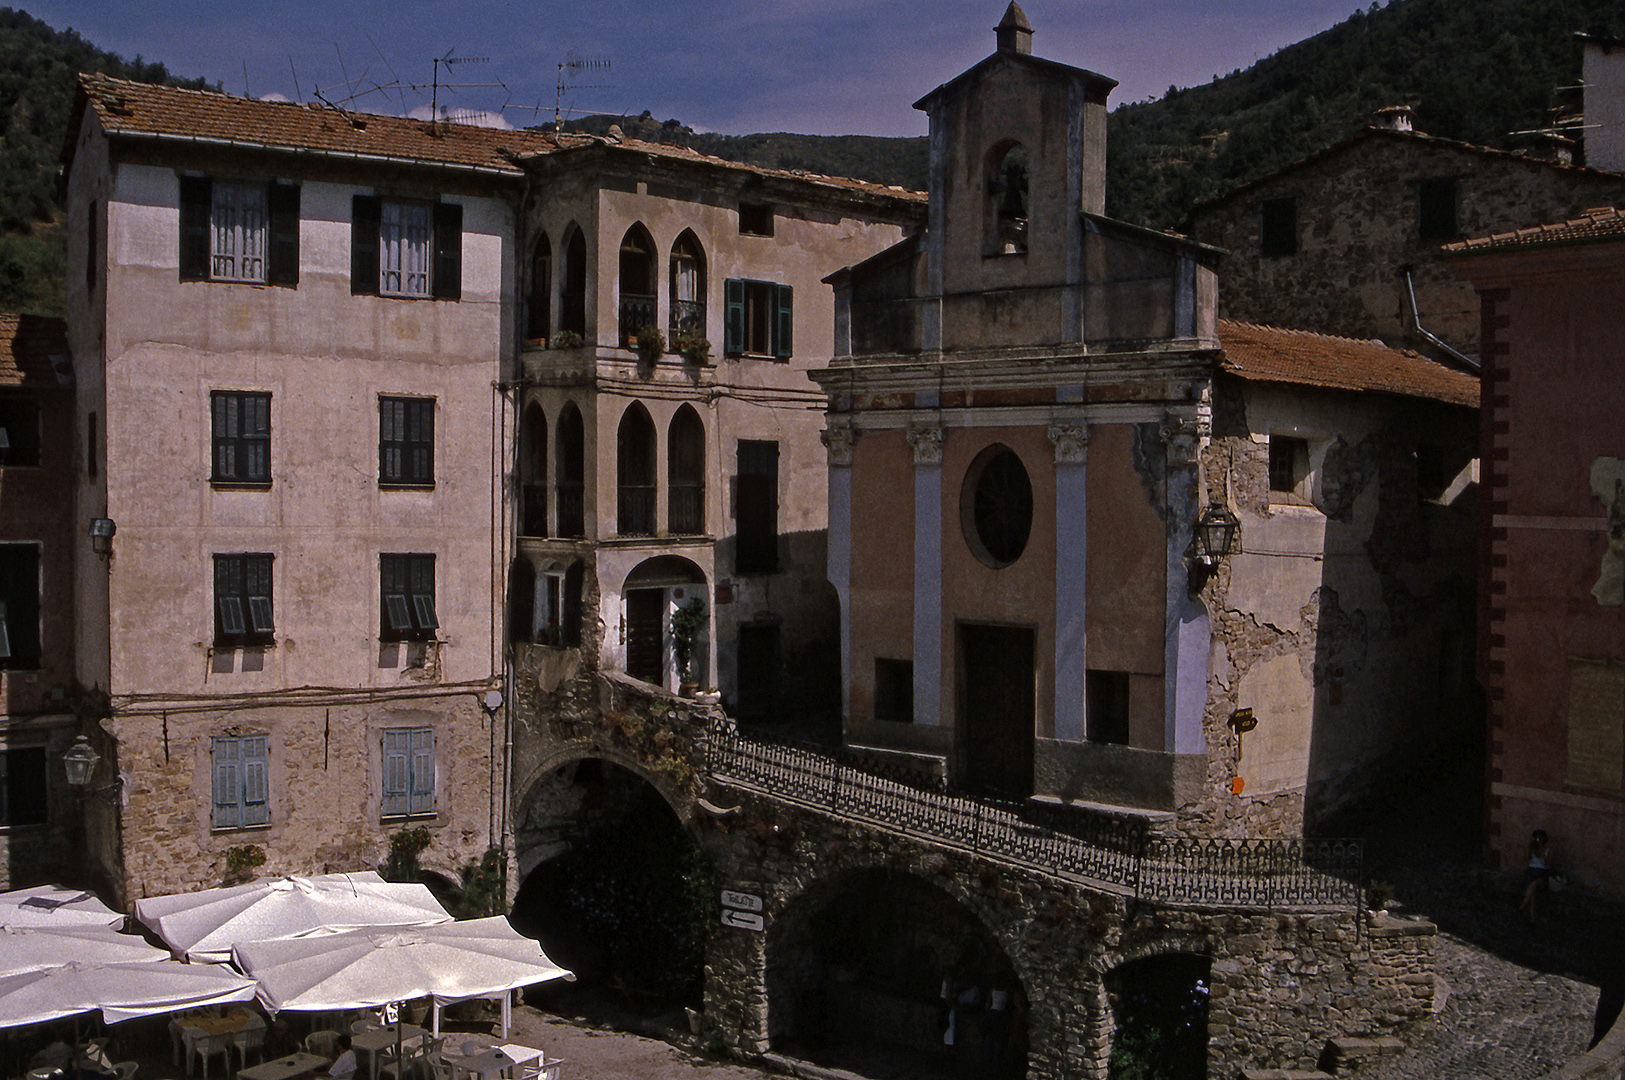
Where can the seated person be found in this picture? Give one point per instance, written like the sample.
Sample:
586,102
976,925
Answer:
344,1065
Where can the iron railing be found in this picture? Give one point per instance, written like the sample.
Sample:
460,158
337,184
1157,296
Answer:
533,516
1114,852
637,510
685,508
572,511
637,312
687,317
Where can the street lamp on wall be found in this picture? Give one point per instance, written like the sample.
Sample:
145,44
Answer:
80,764
101,536
1215,535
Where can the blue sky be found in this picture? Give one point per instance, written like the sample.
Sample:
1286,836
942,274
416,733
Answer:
813,66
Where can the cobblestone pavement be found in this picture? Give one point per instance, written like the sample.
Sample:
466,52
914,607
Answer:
593,1053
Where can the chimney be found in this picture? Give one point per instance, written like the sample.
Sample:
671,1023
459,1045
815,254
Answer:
1014,33
1394,118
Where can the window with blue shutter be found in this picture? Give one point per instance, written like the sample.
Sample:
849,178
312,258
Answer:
241,782
408,761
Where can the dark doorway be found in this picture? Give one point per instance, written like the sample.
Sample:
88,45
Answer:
645,635
996,707
1159,1011
758,671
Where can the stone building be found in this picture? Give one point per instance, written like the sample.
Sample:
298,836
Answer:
287,325
38,535
1552,583
649,477
1347,241
1051,402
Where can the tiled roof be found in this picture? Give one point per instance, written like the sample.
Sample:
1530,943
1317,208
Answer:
28,344
1269,354
1601,223
1418,137
142,109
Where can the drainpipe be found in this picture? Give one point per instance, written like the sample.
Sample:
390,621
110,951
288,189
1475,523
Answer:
1423,332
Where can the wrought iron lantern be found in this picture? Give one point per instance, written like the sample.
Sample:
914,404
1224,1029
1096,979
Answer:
80,762
1215,537
101,535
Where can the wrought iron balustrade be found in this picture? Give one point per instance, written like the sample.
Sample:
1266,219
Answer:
686,509
572,515
533,516
637,510
687,317
1116,852
637,312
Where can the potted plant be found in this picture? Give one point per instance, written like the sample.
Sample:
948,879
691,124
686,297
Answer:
693,347
686,623
650,344
566,339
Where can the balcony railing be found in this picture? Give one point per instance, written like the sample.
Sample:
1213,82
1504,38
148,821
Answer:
636,313
1117,853
687,317
572,520
637,510
687,509
533,510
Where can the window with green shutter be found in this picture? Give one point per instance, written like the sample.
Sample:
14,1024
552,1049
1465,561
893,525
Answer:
408,772
758,318
241,784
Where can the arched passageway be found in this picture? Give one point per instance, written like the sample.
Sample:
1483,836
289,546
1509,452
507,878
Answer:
877,966
613,886
1159,1013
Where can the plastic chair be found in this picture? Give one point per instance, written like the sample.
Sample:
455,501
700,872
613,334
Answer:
322,1043
250,1038
125,1070
207,1046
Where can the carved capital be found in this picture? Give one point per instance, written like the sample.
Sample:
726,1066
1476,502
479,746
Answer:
1183,438
1071,443
927,444
839,441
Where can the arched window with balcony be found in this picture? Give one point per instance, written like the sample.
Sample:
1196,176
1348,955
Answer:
1008,202
637,298
539,304
533,471
687,287
573,301
635,472
570,460
685,473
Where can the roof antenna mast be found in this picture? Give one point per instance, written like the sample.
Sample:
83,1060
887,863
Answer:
572,67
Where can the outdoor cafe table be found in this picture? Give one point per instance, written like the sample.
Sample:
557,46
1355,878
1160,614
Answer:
485,1065
285,1068
199,1025
373,1042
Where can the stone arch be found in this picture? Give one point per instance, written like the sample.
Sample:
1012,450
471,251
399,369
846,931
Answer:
1153,1011
635,472
539,302
865,951
614,882
637,284
653,588
1007,182
686,281
573,297
570,472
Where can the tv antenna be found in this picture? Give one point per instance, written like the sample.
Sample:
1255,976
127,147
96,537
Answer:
573,67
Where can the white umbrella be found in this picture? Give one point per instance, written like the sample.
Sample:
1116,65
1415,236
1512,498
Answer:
205,925
367,969
120,991
31,948
55,905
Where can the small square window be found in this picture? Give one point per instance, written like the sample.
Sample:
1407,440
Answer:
1436,210
406,441
1289,467
22,786
894,690
1278,226
19,432
755,219
1108,704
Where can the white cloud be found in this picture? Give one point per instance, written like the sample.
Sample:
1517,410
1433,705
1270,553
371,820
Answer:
472,117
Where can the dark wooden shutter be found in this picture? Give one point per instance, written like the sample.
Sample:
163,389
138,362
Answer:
756,534
197,202
733,322
283,203
365,211
448,252
783,320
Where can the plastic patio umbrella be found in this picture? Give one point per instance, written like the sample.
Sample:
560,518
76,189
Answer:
33,948
205,925
368,969
120,991
55,905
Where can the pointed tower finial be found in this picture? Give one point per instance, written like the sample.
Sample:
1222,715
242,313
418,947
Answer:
1014,33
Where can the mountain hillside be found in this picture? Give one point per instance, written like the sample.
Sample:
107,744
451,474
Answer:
37,69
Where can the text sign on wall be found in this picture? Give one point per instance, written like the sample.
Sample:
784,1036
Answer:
742,920
743,901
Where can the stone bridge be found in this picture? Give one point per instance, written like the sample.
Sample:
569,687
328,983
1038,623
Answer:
873,889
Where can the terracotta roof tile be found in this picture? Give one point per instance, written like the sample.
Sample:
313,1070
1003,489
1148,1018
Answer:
1270,354
142,109
1599,223
28,344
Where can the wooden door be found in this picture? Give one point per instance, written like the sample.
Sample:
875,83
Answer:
646,635
996,708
